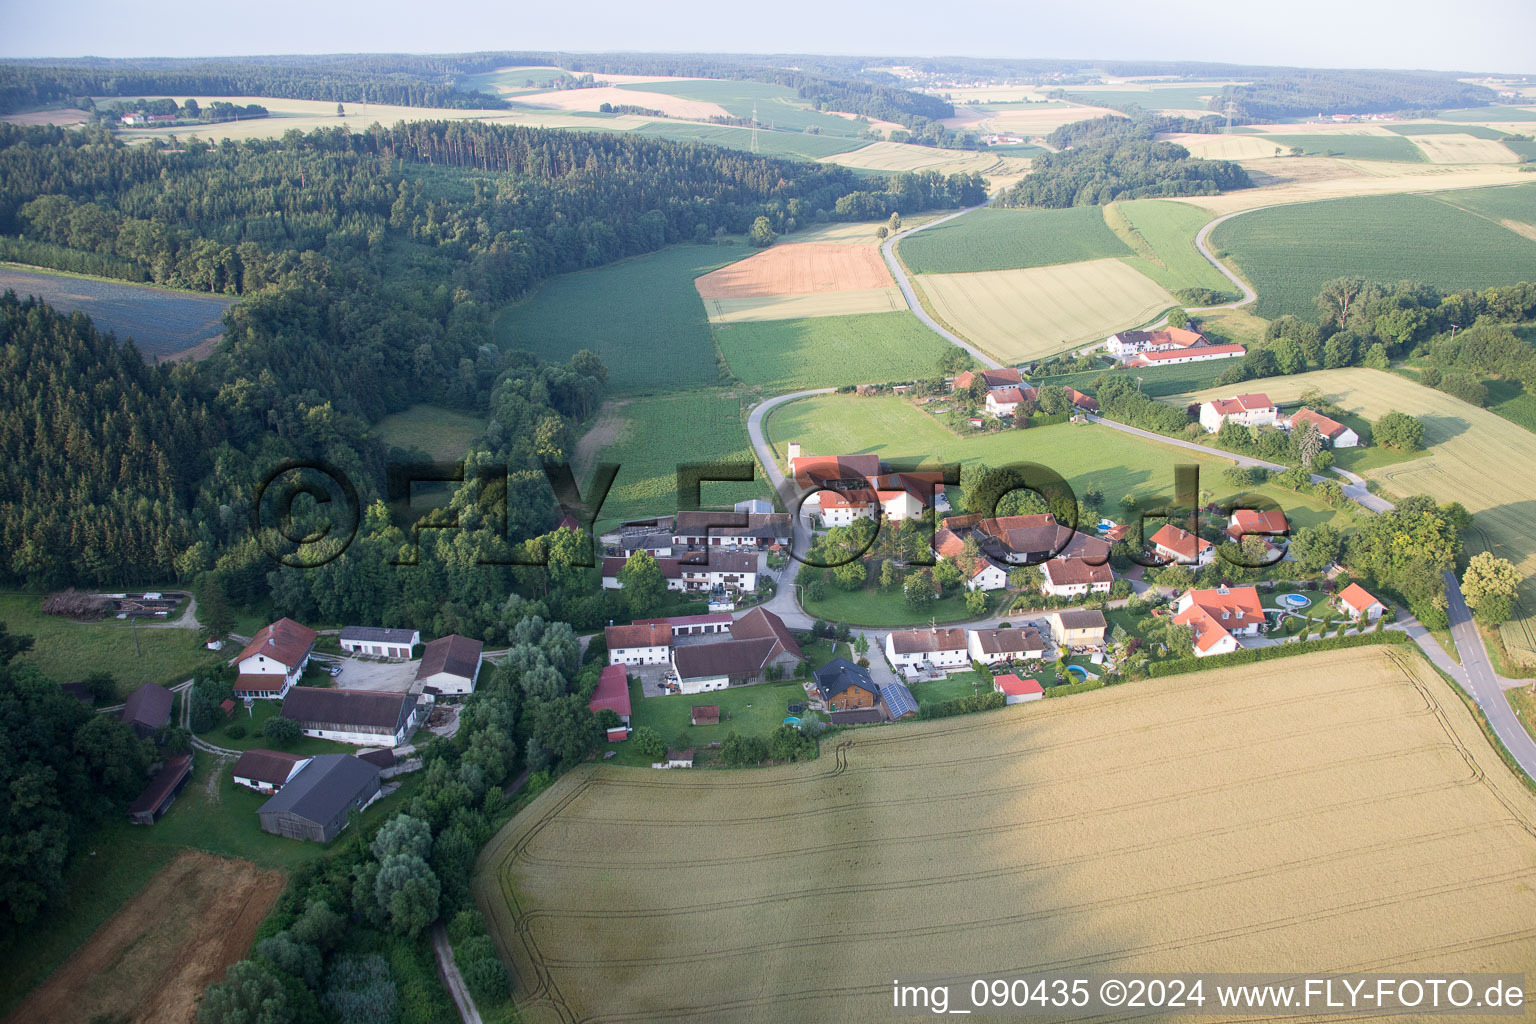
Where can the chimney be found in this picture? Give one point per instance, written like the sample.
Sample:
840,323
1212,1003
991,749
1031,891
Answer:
794,450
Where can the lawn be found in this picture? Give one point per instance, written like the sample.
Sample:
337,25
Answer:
1156,381
872,606
161,321
1352,147
1523,703
1289,252
993,239
656,435
789,355
769,143
261,711
1508,399
1162,234
641,316
955,686
67,651
775,106
1086,455
754,710
444,434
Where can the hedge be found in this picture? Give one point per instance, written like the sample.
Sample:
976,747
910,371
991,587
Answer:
1252,654
1071,688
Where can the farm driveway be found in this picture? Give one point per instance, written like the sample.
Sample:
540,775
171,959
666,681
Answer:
452,979
390,676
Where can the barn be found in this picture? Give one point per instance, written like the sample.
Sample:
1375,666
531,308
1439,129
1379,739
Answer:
315,804
161,792
450,665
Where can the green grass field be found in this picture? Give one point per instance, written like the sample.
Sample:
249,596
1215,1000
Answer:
1085,455
787,355
1489,113
641,316
67,651
1515,202
1477,131
261,711
1162,234
992,239
875,607
777,106
1509,400
748,710
659,434
1289,252
1179,97
769,143
444,434
1353,147
1156,381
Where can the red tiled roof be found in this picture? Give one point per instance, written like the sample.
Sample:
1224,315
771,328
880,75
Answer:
259,682
1241,403
811,470
1205,350
1245,521
1183,543
914,641
1083,401
284,641
948,544
651,634
1072,572
1213,613
1329,428
1208,631
612,692
1005,396
1357,597
1013,686
759,623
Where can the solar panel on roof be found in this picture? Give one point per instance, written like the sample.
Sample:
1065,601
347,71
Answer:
898,699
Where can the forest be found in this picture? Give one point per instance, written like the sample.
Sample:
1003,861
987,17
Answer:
1308,93
1109,158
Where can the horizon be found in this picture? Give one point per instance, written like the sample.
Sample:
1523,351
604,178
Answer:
1376,35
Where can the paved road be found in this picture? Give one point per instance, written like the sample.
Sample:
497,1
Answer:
1247,293
888,250
452,979
1477,675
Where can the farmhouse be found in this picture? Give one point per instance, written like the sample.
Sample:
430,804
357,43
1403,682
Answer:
1267,523
267,771
1179,545
365,717
1130,343
1005,401
314,804
704,714
1034,538
274,660
1335,433
648,643
1077,627
676,759
161,792
760,644
927,650
730,570
1016,690
148,710
693,625
1358,603
907,495
1075,577
1218,617
842,508
752,530
1014,643
612,694
657,545
838,472
450,665
375,641
1190,355
1254,410
843,686
996,380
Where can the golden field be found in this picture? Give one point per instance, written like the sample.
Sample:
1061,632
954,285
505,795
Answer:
1473,456
1018,315
1335,811
1307,179
797,307
900,156
1464,149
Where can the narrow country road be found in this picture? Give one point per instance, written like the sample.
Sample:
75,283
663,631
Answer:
1201,238
452,979
888,250
1478,677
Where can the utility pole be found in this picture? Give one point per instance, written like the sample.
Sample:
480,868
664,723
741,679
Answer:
754,126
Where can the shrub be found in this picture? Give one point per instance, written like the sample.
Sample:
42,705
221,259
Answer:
235,732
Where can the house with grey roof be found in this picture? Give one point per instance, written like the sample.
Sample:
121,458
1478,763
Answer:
148,710
368,718
379,642
315,803
450,665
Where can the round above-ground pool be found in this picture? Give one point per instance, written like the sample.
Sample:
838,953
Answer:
1078,672
1295,600
792,720
1105,525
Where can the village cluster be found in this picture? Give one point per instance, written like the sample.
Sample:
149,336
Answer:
312,796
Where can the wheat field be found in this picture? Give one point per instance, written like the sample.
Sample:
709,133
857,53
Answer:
1332,812
1473,456
1018,315
1464,149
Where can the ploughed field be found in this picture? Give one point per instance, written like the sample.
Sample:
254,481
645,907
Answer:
1331,812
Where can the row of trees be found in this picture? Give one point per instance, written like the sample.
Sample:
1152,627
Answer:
1303,93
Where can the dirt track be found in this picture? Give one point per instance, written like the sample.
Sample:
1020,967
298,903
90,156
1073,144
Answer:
153,958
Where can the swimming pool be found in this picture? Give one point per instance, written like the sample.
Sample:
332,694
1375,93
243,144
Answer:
1295,600
1077,671
792,720
1105,525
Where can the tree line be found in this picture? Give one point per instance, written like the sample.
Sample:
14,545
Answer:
1306,92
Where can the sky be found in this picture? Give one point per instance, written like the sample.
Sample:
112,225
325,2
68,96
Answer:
1466,35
